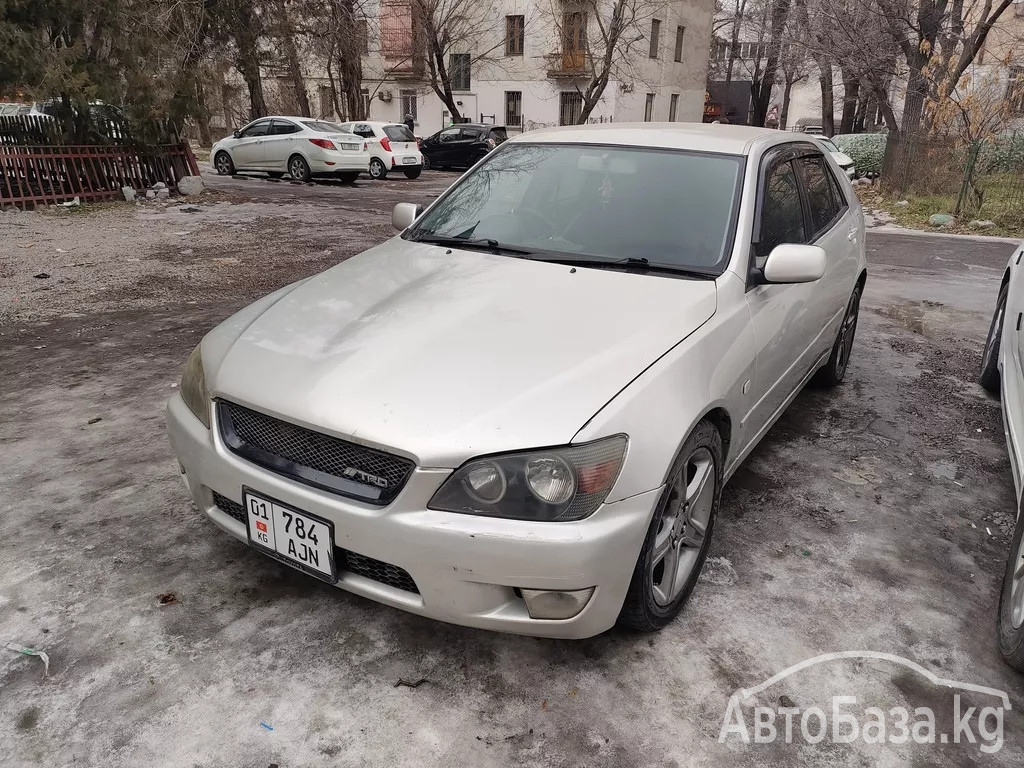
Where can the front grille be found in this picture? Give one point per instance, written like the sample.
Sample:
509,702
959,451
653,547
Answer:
312,457
361,565
229,507
376,570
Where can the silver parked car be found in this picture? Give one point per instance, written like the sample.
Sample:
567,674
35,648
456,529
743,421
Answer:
520,413
1002,373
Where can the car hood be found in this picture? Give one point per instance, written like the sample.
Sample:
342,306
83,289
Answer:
443,355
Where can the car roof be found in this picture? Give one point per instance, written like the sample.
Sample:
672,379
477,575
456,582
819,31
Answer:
699,137
296,118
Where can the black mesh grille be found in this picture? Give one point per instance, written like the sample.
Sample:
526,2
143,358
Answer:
375,570
311,457
229,507
361,565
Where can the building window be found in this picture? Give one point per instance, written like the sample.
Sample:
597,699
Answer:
673,105
649,108
514,108
396,29
655,37
363,36
326,94
514,28
365,92
458,71
1015,88
680,31
721,50
409,104
570,107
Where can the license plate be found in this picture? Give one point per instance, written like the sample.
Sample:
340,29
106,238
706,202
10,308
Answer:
293,537
408,160
350,146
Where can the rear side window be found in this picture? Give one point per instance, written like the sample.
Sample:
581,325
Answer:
283,127
782,216
499,135
472,134
323,127
398,133
820,192
364,130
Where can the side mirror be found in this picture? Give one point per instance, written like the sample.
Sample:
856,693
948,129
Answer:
237,134
791,263
404,214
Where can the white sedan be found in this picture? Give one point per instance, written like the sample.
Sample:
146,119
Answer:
519,414
1002,373
299,146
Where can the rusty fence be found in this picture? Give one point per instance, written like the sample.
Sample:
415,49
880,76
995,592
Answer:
38,168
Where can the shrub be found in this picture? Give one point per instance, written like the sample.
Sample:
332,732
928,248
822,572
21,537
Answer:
865,149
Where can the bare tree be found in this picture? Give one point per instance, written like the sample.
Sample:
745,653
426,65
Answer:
283,30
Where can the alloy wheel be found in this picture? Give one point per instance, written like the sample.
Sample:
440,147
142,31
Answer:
297,169
683,527
846,334
223,164
1017,588
993,336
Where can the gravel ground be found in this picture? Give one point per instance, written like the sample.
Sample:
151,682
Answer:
875,517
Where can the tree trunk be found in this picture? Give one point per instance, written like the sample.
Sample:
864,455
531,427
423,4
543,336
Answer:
913,102
828,109
784,114
291,53
851,92
246,34
203,117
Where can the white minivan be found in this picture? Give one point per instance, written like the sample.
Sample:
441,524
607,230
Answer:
393,147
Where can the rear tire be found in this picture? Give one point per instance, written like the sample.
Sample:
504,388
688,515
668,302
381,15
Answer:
378,170
679,537
1011,602
989,377
298,168
834,371
412,173
222,162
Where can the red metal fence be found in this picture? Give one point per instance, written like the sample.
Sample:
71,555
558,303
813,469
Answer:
36,167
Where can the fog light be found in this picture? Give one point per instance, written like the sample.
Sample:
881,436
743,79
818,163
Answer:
552,604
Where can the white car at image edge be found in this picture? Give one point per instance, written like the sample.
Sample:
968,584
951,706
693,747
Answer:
1002,373
843,160
519,413
299,146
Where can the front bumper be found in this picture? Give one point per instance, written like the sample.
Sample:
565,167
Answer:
467,569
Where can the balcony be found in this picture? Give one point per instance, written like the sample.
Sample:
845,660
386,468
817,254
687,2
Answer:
404,68
567,64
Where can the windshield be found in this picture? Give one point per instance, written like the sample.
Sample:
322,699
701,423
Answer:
398,133
829,145
595,202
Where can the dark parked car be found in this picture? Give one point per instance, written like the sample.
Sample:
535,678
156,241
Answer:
461,145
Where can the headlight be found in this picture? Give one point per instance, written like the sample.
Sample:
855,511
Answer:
193,387
554,484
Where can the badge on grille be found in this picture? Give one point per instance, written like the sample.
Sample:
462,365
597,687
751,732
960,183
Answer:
364,477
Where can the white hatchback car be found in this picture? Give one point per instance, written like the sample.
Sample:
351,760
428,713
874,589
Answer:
519,414
1002,373
393,147
299,146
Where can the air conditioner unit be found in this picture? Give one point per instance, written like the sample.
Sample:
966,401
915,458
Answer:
384,95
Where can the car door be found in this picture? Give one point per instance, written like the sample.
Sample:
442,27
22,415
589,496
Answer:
469,147
279,144
786,319
439,147
247,152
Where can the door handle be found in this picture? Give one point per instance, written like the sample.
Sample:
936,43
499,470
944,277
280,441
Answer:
852,235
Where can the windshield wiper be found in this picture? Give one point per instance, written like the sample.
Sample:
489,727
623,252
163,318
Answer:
638,264
481,243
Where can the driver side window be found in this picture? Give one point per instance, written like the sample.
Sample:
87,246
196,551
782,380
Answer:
256,129
782,215
452,134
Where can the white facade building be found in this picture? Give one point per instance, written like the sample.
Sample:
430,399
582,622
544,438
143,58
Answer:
516,69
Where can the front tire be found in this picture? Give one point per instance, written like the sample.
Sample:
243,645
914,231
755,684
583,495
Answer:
680,534
298,168
1011,602
989,377
412,173
426,163
834,371
222,163
378,171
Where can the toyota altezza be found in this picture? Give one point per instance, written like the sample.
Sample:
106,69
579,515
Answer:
519,414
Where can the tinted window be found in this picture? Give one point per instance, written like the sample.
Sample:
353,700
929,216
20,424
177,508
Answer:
819,192
364,130
606,203
782,216
498,134
283,127
450,135
256,129
398,133
471,134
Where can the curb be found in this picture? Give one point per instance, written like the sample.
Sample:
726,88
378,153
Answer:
889,229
